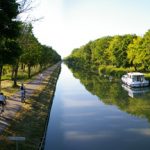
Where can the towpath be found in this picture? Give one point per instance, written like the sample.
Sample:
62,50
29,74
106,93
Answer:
14,102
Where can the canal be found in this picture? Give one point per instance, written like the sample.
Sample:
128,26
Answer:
92,113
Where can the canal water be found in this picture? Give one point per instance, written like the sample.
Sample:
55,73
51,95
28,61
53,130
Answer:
92,113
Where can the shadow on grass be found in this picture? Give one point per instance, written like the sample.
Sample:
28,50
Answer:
30,120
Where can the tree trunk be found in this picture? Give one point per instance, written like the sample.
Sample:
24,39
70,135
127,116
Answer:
15,75
135,68
12,74
22,67
29,70
41,66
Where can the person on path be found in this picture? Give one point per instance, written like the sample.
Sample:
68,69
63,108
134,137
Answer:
41,76
22,92
2,101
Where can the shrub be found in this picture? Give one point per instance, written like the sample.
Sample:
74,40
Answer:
102,70
113,71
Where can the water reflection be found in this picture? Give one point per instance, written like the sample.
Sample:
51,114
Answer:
94,113
135,92
132,101
141,131
84,136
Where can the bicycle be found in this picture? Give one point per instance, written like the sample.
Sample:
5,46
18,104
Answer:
2,103
1,108
22,96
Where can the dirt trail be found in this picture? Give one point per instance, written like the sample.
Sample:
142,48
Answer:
14,102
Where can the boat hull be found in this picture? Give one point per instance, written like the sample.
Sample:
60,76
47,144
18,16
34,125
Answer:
136,84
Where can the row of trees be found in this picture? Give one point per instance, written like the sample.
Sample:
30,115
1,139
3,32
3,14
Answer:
119,51
18,45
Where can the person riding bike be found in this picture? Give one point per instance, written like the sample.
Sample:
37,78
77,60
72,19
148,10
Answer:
22,92
2,101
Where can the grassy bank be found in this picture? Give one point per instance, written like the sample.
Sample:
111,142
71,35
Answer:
30,120
113,71
118,72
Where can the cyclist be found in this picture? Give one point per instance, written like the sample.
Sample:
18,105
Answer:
2,101
22,92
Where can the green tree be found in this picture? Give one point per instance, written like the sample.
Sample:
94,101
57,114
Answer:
14,51
99,51
134,52
9,30
87,54
33,52
145,53
118,50
48,56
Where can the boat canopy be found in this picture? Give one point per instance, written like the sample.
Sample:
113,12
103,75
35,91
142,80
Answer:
135,74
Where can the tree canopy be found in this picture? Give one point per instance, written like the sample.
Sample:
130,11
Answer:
18,45
118,51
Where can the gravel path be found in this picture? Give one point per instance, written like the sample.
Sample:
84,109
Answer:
14,102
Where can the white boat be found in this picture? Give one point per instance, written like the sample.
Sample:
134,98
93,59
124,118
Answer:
135,79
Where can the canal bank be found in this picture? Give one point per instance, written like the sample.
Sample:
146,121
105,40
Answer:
29,119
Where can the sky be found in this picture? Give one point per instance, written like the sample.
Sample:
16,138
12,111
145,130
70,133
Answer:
69,24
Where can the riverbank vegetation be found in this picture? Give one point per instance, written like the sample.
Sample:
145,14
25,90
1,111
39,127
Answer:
20,50
30,121
113,55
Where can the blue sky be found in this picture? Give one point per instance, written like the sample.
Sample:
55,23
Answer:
69,24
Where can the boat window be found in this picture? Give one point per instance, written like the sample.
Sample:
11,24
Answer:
134,78
140,78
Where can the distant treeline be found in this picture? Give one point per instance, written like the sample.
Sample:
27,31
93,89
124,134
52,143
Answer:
113,53
18,45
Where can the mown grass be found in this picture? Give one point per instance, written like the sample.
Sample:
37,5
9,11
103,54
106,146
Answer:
7,83
22,74
30,120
